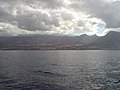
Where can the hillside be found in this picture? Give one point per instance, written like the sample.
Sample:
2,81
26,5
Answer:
44,42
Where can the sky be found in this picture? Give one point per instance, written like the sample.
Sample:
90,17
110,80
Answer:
59,17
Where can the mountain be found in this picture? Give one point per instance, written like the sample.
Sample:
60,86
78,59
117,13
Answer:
45,42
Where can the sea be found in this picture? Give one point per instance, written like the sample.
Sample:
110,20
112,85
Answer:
60,70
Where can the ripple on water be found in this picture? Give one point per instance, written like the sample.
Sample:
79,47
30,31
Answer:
36,86
48,73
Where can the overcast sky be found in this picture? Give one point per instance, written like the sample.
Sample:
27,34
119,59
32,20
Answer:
59,17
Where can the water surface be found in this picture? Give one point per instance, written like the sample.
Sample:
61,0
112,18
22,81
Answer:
60,70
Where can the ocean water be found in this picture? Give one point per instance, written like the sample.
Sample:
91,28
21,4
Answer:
60,70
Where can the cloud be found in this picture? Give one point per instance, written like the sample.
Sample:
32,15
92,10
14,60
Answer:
107,10
12,30
59,17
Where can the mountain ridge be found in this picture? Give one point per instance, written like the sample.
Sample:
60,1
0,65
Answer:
47,42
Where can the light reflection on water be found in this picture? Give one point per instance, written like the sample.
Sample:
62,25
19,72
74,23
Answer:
60,70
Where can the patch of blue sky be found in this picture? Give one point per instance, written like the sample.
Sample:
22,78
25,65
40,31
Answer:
101,27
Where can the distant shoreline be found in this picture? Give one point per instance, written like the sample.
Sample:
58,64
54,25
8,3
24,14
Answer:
53,49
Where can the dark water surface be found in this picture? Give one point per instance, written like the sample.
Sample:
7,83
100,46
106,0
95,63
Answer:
60,70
